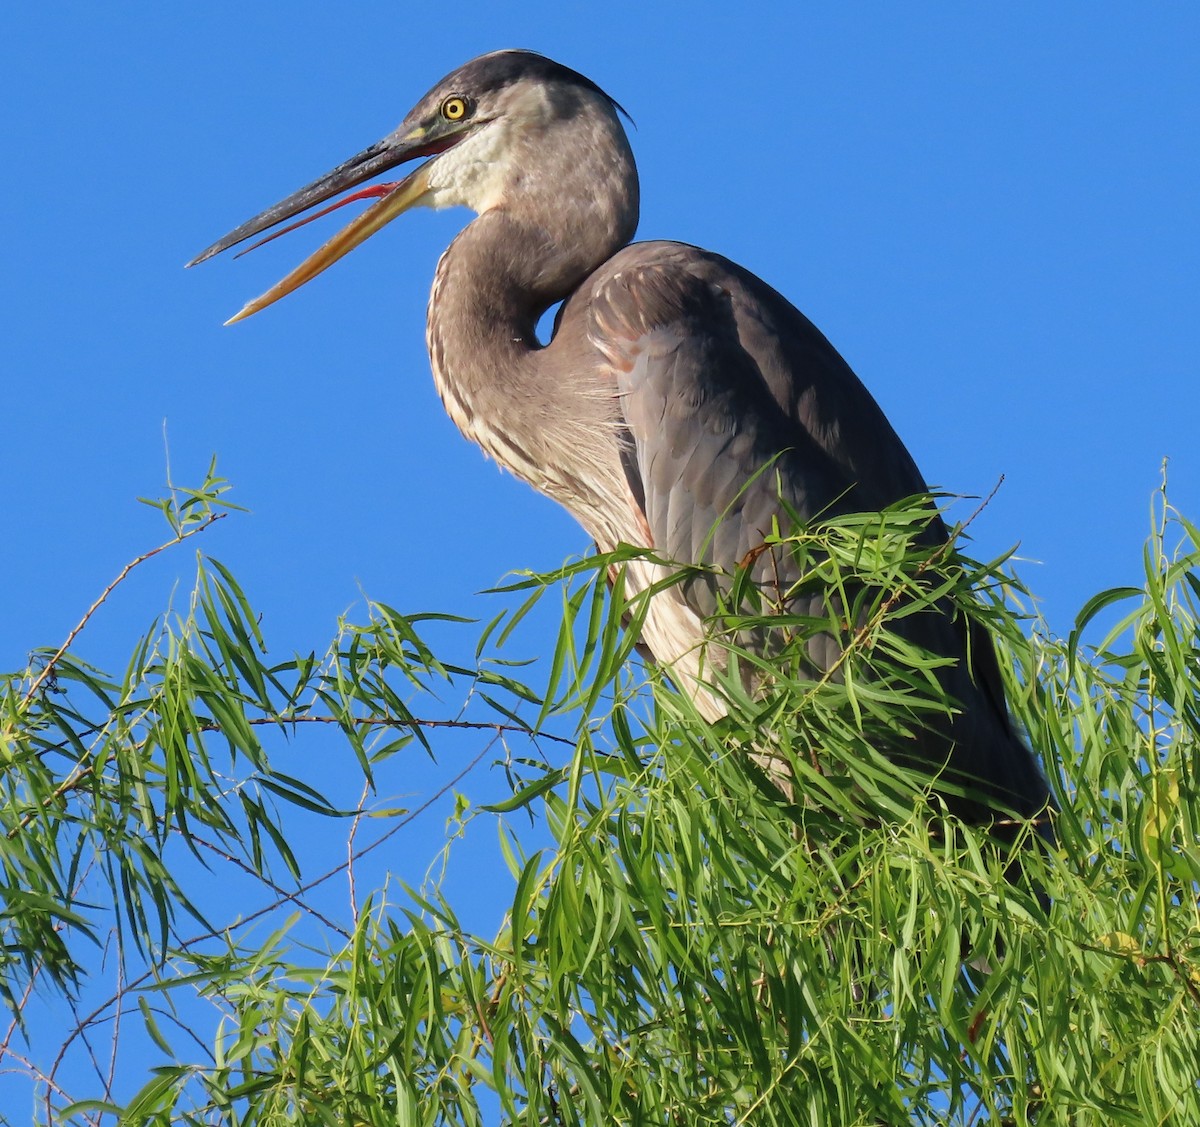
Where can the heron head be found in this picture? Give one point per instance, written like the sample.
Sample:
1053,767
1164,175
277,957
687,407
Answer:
506,127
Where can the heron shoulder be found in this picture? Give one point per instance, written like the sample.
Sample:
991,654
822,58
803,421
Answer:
656,286
652,299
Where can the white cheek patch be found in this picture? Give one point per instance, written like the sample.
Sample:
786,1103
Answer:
473,173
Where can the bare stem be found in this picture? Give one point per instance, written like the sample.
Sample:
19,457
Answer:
48,668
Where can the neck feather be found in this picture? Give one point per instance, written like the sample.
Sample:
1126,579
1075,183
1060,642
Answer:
537,411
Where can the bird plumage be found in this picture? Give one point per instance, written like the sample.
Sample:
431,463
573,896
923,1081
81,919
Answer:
673,379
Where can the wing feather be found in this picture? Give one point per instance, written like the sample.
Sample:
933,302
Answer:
734,402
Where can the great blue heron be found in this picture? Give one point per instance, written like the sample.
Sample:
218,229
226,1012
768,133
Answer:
672,378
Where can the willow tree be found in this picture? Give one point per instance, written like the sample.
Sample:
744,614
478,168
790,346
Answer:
680,943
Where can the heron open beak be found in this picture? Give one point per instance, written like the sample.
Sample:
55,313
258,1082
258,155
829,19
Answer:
394,199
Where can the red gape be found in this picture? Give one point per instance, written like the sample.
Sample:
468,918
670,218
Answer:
375,190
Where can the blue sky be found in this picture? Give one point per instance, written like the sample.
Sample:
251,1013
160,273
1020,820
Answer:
991,213
990,210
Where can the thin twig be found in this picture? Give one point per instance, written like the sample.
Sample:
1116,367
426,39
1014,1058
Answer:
362,804
116,1031
48,668
19,1008
282,893
32,1070
195,940
84,771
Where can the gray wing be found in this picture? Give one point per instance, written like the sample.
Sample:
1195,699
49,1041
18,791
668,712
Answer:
732,400
739,409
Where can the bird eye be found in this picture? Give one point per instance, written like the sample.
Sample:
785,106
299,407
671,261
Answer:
455,108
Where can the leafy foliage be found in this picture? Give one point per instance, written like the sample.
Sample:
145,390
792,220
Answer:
684,944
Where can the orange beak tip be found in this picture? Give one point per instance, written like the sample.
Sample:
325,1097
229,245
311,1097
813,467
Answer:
241,314
393,199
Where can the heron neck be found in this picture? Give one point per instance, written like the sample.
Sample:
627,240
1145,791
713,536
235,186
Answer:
492,285
525,405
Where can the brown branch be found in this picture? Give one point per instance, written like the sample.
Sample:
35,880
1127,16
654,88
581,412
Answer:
399,722
1186,974
85,771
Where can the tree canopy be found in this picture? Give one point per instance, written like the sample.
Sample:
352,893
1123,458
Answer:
682,943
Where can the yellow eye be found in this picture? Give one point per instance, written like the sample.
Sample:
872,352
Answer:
455,108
